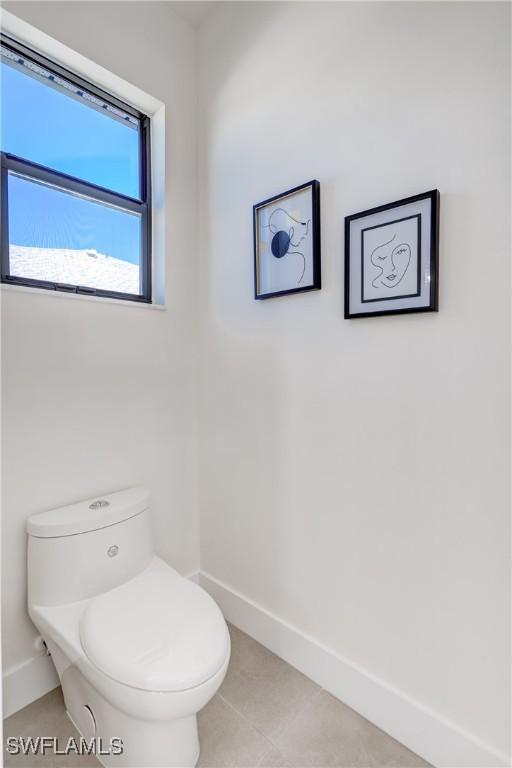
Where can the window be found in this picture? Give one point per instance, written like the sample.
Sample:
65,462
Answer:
75,182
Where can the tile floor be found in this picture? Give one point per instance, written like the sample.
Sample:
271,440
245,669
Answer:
266,714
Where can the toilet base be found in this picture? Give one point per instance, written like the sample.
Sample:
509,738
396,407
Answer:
155,744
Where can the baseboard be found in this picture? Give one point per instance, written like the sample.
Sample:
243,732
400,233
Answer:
193,577
28,682
437,740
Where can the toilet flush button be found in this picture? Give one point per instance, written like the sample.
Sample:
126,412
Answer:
113,550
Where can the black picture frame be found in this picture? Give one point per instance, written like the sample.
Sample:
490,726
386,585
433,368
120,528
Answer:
316,281
429,260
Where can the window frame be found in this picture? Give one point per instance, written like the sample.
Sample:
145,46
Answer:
67,183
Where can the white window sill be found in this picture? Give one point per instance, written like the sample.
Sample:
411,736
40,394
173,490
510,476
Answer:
79,297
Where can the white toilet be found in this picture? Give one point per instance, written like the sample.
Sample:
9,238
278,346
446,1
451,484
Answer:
138,648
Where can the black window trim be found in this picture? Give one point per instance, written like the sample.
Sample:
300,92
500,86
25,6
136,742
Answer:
43,175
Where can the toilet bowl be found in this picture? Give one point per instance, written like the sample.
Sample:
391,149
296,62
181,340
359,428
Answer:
139,649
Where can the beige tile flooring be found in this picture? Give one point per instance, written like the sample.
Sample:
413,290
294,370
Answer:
266,714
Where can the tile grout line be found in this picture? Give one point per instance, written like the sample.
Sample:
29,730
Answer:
270,740
246,719
294,717
297,714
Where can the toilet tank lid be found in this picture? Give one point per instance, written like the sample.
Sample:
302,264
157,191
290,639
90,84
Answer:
89,515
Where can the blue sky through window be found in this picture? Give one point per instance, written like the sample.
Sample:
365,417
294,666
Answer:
47,126
59,219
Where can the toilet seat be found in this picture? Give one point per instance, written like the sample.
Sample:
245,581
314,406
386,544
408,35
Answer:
158,632
61,627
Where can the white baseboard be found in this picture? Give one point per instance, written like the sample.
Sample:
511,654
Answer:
437,740
28,682
193,577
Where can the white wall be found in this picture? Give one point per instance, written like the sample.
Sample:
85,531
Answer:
99,396
355,474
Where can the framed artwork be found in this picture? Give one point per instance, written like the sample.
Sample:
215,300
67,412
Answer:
391,258
287,242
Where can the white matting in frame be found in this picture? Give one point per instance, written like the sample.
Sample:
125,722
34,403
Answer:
391,258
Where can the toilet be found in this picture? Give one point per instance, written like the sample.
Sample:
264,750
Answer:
139,649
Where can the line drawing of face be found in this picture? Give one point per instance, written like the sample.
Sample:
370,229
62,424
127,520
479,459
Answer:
287,232
392,263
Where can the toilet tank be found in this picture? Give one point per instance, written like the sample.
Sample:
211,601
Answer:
84,549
